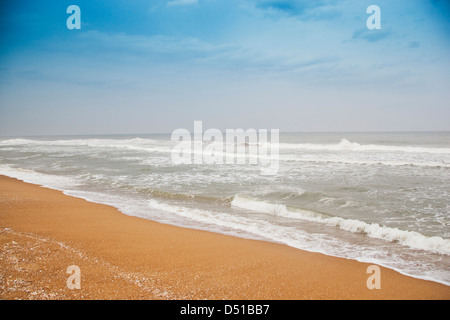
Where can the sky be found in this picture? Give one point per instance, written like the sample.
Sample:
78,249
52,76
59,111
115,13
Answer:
157,65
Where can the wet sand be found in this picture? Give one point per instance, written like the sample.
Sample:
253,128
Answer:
43,232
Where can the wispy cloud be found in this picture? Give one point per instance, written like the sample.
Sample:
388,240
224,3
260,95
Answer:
302,9
189,52
181,2
372,35
165,47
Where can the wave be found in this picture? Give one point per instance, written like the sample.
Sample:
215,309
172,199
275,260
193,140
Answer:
79,142
345,145
435,157
46,180
435,163
137,144
162,194
411,239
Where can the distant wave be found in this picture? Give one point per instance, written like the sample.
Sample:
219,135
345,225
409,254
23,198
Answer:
79,142
137,144
345,145
411,239
417,162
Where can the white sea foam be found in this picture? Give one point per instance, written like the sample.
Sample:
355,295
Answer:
45,180
411,239
77,142
346,145
343,145
386,161
134,144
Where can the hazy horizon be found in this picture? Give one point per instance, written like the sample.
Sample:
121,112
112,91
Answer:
188,128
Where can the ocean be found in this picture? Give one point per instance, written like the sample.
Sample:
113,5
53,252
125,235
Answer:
381,198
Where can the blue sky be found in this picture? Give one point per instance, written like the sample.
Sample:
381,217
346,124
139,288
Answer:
154,66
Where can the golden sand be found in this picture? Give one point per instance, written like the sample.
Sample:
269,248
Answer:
43,232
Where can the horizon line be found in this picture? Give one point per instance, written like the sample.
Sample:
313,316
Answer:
168,133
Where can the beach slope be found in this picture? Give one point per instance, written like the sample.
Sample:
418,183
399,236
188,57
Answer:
43,232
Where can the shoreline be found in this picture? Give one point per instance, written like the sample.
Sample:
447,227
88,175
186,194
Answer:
43,231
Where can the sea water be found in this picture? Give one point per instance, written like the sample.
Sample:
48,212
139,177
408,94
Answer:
374,197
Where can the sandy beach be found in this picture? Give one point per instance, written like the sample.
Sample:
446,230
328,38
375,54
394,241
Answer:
43,232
